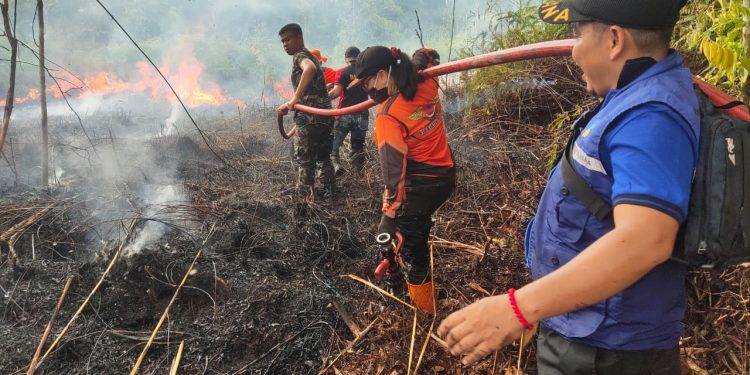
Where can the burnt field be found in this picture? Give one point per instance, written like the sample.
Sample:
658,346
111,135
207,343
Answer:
273,288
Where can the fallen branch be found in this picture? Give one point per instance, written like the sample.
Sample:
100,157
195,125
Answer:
177,358
439,341
424,345
245,367
380,290
520,352
413,340
48,329
434,316
351,345
123,334
439,242
164,314
436,339
347,318
11,235
88,298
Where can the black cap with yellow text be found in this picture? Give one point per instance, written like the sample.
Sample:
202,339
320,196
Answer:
635,14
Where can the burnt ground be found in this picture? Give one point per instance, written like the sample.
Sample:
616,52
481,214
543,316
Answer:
270,292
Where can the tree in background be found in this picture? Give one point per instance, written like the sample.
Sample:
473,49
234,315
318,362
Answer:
720,30
43,97
10,97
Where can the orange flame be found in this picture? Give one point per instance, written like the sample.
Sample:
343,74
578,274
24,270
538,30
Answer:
104,83
283,89
185,73
239,103
32,95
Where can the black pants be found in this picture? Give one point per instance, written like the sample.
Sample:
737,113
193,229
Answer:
558,356
414,221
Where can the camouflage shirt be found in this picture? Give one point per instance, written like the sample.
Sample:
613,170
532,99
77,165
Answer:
316,94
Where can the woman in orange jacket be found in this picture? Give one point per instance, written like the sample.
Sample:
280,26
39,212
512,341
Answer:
416,161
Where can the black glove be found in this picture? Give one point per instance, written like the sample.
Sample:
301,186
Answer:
387,225
424,58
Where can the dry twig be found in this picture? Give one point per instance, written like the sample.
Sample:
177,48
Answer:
48,329
177,358
381,291
88,298
164,314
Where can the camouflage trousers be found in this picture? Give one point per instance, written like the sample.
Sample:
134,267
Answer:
356,124
312,148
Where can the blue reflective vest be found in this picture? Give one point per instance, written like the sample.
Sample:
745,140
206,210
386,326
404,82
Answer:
648,314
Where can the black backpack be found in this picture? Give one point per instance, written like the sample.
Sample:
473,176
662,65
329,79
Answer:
716,233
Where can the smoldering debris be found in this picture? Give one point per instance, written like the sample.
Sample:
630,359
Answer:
159,214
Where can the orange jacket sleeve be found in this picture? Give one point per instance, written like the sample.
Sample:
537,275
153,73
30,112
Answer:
392,151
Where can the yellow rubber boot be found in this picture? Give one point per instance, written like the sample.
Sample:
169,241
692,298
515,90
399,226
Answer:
422,296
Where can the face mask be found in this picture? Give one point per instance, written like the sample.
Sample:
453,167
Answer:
380,95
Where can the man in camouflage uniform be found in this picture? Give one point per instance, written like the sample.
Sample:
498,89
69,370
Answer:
314,139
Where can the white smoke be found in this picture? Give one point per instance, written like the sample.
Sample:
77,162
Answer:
119,153
170,124
159,202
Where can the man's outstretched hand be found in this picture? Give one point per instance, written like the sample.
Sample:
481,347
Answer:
480,328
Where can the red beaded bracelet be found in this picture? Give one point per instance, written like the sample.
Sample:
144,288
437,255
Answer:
512,298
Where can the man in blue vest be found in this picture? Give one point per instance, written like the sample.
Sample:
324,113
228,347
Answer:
605,292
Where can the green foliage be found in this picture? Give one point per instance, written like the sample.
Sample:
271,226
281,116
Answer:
512,28
507,29
559,129
480,88
715,28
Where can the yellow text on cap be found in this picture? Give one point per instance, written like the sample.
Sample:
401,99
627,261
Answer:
551,10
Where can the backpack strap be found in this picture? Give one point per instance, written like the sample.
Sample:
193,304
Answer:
746,205
729,105
578,186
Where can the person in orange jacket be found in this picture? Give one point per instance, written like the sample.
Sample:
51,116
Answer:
415,159
328,73
425,58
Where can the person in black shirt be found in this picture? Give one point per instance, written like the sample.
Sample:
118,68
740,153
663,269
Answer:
355,123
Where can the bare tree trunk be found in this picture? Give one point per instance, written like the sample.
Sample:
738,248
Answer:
746,86
43,97
10,98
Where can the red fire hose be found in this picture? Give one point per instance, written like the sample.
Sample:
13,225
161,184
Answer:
532,51
718,97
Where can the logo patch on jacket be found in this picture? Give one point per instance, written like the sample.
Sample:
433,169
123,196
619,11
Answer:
425,112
